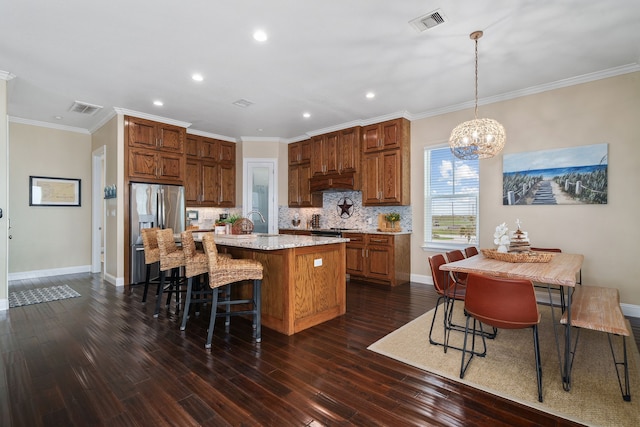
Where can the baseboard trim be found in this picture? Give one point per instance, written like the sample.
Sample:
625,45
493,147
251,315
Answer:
24,275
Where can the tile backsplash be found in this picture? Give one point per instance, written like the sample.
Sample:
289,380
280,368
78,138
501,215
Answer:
331,214
335,213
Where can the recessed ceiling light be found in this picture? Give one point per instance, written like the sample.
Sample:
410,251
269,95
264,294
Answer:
370,95
58,117
197,77
260,36
158,103
306,115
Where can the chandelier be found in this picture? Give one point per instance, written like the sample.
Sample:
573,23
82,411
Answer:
477,138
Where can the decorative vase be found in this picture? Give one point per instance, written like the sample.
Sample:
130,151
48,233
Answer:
392,224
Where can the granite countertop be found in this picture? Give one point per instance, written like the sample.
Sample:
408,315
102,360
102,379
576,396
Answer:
271,242
354,230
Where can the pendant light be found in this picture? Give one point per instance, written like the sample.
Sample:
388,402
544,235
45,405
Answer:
477,138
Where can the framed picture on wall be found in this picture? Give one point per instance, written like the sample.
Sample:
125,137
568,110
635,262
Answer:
564,176
47,191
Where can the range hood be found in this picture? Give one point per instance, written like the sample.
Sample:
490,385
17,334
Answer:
334,182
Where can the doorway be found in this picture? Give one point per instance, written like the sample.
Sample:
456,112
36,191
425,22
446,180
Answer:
261,195
97,210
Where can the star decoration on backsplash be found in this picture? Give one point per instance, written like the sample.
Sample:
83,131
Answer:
345,207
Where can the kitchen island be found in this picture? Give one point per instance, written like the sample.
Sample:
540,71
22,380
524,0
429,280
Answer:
304,281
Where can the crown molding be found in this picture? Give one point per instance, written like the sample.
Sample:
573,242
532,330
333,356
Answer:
48,125
559,84
5,75
110,114
211,135
127,112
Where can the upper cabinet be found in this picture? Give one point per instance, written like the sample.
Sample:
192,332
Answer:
155,151
384,136
386,163
299,190
300,152
336,152
211,172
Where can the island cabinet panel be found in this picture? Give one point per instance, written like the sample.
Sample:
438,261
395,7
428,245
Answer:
379,258
301,286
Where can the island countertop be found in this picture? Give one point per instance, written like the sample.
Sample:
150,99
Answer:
271,242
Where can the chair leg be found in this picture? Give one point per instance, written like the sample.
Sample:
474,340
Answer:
146,283
473,352
212,321
187,302
160,290
257,323
536,348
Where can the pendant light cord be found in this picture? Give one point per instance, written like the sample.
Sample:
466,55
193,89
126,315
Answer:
475,112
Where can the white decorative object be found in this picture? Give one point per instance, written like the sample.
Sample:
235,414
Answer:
501,237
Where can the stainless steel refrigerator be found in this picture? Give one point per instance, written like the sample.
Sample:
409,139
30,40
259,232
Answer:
152,205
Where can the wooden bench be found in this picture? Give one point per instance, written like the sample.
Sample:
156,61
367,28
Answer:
598,309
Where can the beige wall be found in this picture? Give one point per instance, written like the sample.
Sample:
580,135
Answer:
604,111
107,137
4,198
48,238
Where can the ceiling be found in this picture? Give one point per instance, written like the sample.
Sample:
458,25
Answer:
322,57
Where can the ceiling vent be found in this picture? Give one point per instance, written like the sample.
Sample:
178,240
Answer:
242,103
428,21
84,108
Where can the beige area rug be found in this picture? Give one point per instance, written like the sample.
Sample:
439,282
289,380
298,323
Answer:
508,370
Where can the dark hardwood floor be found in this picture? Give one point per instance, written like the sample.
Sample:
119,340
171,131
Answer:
103,360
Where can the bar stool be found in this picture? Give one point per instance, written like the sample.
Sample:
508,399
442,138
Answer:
171,258
151,256
196,264
224,271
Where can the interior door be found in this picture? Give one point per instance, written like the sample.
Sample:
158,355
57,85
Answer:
260,194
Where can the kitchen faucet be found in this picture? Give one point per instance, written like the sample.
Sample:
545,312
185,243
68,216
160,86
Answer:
256,211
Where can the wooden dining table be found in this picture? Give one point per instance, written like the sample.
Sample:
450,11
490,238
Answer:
562,270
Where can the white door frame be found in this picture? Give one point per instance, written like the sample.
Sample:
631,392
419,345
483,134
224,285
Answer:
97,208
272,164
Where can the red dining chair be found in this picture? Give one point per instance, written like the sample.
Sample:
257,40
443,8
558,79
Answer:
470,251
448,293
453,256
501,303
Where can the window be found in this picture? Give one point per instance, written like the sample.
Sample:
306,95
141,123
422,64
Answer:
451,188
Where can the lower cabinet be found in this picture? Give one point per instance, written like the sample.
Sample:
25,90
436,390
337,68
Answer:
379,258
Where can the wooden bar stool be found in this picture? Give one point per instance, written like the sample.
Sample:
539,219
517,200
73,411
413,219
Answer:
171,258
151,256
224,271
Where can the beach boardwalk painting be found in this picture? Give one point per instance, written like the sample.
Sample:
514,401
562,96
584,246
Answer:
576,175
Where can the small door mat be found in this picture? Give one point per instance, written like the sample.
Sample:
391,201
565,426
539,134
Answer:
38,295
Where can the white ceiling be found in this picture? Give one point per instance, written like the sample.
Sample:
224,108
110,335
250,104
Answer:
322,56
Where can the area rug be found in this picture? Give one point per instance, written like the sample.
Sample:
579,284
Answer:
39,295
508,370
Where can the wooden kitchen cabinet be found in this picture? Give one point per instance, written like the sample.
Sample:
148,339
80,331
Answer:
300,194
300,152
349,150
210,172
299,189
378,258
386,172
386,135
336,152
148,134
155,151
